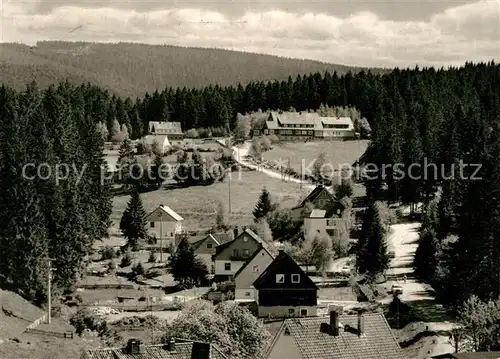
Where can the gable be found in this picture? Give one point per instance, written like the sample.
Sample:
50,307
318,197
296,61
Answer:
165,214
245,241
201,246
286,266
245,276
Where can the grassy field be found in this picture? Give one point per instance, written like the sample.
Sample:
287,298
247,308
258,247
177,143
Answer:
337,153
198,204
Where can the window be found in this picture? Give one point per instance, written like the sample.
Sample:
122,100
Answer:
227,266
209,245
246,252
245,239
152,224
235,253
247,294
280,278
291,311
295,278
256,268
303,312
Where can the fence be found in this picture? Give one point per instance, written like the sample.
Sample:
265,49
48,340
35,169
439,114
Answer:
37,322
65,335
107,286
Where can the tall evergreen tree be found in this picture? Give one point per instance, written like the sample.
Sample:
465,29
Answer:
133,222
372,257
263,206
186,267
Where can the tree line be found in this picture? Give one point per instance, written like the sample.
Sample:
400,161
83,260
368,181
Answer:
52,202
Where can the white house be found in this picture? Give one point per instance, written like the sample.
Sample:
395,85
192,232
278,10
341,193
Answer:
160,140
251,270
164,223
322,223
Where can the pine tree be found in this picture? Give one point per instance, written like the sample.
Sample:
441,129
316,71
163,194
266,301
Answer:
425,261
372,256
133,222
264,205
186,267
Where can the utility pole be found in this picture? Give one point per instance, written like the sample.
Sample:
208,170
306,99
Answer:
229,192
301,176
49,291
161,236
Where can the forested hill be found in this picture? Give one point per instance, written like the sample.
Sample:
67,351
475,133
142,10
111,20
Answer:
134,69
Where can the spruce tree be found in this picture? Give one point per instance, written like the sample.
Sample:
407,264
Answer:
425,261
133,223
263,206
372,256
186,267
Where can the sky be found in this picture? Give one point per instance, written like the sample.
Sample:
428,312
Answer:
370,33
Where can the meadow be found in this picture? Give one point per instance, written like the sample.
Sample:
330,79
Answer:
198,204
337,153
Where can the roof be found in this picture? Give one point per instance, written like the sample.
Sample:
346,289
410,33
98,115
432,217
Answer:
248,231
182,351
305,120
337,121
198,243
476,355
378,342
255,254
165,127
168,211
282,259
317,213
314,193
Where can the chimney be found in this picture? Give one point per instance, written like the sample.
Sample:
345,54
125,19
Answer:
134,346
334,323
361,324
171,345
200,351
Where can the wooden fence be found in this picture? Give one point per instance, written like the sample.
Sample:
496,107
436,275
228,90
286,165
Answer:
65,335
37,322
107,286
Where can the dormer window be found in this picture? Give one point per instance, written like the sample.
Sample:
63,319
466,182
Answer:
280,278
209,245
295,278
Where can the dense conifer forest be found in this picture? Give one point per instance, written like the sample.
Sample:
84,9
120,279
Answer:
418,116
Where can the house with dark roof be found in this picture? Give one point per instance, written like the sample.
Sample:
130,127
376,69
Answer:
319,198
470,355
173,350
248,273
305,126
231,256
285,290
337,336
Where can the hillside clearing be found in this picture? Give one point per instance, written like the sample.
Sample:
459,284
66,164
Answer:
337,153
198,204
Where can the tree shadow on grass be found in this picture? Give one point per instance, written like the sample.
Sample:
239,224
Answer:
432,311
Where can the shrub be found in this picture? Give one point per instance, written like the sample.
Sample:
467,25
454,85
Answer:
107,253
138,269
152,257
111,266
126,260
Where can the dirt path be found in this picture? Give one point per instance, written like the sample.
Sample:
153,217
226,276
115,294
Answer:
404,238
